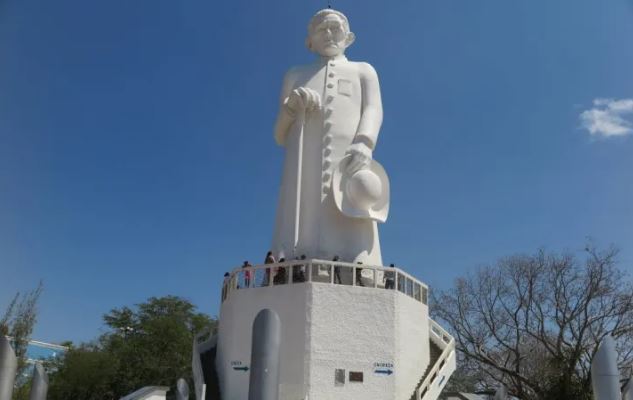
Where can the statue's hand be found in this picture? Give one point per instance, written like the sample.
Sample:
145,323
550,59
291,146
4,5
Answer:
361,157
303,99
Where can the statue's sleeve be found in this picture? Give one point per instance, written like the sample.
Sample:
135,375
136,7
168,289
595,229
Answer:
284,117
371,114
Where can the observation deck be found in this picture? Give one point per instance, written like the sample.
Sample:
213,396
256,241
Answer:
349,331
327,272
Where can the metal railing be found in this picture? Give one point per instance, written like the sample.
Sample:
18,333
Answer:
445,342
41,344
327,272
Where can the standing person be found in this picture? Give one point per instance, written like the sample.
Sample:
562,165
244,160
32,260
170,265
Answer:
270,259
280,275
359,275
390,278
225,285
298,271
337,271
247,274
330,110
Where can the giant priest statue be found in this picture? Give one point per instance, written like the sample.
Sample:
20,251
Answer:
332,192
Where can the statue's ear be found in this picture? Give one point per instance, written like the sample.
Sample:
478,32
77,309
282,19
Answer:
350,39
308,43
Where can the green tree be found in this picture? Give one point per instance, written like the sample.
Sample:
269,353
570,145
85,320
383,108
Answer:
149,344
533,322
86,373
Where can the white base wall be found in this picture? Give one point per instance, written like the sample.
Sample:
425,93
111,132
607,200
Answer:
412,344
327,327
234,338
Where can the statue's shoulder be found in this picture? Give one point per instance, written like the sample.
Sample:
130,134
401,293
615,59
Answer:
293,73
299,69
365,69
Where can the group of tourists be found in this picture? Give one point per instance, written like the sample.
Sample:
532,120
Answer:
280,274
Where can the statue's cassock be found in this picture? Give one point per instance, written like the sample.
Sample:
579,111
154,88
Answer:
351,112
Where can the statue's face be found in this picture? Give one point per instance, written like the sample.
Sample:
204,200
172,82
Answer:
330,38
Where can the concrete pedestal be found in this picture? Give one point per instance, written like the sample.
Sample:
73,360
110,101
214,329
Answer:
337,341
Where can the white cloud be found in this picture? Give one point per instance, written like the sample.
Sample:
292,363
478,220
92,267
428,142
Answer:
609,117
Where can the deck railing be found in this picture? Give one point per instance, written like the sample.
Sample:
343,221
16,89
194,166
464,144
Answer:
326,272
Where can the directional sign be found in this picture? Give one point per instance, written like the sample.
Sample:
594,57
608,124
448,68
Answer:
238,366
383,368
383,371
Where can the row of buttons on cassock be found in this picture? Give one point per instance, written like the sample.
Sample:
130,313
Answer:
327,125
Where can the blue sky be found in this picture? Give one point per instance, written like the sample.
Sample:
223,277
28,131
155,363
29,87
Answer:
137,157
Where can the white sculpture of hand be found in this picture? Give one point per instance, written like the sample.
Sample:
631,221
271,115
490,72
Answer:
303,99
361,157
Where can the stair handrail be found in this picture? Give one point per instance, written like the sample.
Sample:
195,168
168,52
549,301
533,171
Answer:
438,334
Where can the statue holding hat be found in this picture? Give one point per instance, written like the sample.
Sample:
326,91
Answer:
332,193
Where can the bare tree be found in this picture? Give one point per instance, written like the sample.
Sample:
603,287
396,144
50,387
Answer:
18,321
533,322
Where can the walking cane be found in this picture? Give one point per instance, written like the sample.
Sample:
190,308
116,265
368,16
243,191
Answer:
301,119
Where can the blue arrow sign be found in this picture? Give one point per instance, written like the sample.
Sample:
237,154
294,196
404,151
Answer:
244,368
383,371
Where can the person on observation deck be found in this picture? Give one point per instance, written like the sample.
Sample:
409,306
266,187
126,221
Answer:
390,278
270,259
225,285
298,271
247,274
337,271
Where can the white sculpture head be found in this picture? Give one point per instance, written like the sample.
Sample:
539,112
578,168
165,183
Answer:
329,34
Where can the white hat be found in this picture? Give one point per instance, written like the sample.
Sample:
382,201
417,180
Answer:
364,194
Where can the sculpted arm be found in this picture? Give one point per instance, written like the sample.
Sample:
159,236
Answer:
371,117
285,118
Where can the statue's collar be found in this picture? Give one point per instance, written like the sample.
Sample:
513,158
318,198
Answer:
324,60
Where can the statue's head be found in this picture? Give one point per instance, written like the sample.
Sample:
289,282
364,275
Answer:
328,33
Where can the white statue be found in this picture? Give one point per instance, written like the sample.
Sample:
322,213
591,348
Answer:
332,191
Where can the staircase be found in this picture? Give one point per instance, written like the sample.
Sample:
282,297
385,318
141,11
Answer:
441,364
436,352
210,375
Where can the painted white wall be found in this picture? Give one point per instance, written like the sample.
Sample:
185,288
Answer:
353,328
325,327
234,338
412,343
